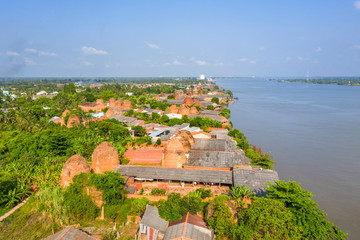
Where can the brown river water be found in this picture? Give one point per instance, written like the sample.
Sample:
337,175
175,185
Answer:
313,133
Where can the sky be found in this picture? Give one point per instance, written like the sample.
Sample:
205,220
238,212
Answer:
166,38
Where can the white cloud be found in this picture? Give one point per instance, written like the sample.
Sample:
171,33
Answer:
167,64
152,45
40,53
357,5
261,48
88,63
318,49
252,62
301,59
356,46
14,54
288,58
200,62
28,61
243,59
93,51
31,50
177,62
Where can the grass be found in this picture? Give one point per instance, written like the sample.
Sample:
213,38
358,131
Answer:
27,223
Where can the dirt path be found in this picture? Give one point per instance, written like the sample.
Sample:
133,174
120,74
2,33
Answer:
13,210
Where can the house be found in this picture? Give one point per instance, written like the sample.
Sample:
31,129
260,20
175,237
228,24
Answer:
189,227
250,176
152,225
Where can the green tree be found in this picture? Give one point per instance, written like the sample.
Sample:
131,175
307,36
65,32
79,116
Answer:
221,221
171,96
311,220
215,100
268,219
239,193
164,119
139,131
69,88
158,142
210,107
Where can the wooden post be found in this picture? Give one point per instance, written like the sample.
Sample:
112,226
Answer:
102,213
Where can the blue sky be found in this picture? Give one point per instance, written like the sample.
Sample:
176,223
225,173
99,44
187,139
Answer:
179,38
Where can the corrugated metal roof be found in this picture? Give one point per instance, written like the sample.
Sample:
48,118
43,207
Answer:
189,227
256,180
151,218
70,233
219,159
157,133
228,145
176,174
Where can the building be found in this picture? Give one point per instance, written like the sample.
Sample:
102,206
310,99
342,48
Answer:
202,77
152,225
189,227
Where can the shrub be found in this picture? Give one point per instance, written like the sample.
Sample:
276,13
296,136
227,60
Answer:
204,193
158,192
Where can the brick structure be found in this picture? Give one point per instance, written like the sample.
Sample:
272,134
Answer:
105,158
197,102
188,101
176,150
73,121
193,111
173,109
109,112
73,166
112,102
183,110
123,105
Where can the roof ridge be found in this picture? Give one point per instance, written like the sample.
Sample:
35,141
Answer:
187,216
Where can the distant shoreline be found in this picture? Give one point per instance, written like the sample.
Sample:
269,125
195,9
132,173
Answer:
329,81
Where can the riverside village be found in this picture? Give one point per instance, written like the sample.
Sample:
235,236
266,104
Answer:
140,159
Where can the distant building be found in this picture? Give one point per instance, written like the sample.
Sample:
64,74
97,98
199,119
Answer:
41,93
202,77
5,93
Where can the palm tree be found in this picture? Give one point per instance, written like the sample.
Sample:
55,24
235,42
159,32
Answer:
239,193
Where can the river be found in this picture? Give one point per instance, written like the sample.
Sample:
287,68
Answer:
313,133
